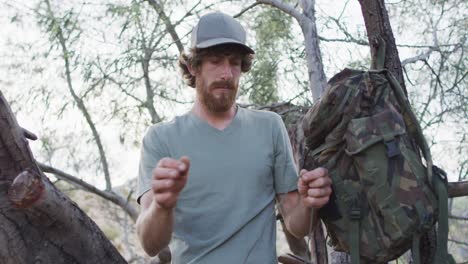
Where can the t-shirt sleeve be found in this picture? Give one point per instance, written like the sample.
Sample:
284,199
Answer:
152,150
285,172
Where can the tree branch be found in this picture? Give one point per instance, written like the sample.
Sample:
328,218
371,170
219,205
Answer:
289,9
246,9
458,242
456,217
353,40
149,103
346,33
307,22
28,134
169,26
458,189
35,215
81,106
108,195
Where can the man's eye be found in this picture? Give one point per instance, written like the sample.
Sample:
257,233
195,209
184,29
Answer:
236,62
215,60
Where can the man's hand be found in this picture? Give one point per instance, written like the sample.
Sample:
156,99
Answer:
155,222
313,192
314,187
169,178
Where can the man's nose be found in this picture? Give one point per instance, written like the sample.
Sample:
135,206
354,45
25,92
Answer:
226,71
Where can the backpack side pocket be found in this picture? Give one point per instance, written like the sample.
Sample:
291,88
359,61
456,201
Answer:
373,143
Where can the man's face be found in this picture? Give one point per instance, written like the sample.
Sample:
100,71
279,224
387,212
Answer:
217,81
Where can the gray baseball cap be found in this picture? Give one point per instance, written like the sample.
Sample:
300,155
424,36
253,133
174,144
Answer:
216,29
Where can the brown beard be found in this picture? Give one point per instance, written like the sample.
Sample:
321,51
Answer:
217,104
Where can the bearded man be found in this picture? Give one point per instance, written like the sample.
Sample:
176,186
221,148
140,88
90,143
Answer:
209,179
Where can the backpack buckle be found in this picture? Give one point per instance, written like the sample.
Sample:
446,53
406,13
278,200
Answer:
440,173
427,221
355,210
392,148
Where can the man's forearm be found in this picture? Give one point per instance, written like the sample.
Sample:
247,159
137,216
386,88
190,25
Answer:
154,228
299,219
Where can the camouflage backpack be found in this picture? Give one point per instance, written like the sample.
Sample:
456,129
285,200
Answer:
384,197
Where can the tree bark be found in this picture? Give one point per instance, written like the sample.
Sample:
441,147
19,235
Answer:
317,77
39,223
306,20
378,26
458,189
107,195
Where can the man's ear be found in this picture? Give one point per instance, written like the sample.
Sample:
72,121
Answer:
191,69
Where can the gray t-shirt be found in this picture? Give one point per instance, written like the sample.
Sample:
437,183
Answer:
225,213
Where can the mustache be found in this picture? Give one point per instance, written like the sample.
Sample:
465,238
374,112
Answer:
228,84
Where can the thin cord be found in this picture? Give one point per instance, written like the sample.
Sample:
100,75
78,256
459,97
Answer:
310,229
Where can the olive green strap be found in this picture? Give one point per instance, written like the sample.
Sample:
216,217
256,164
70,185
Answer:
354,241
414,125
311,225
415,249
441,255
378,60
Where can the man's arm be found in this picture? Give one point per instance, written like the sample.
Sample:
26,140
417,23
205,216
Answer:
313,192
155,222
154,225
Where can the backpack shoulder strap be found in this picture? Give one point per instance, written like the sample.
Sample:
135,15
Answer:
378,58
437,178
411,122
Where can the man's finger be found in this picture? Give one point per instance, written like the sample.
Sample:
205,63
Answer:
302,187
302,172
165,173
184,165
169,163
314,174
166,200
319,192
316,202
320,182
160,186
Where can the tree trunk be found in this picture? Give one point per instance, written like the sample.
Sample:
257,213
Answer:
317,78
378,27
39,223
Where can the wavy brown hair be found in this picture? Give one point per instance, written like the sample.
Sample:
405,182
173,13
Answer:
195,57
